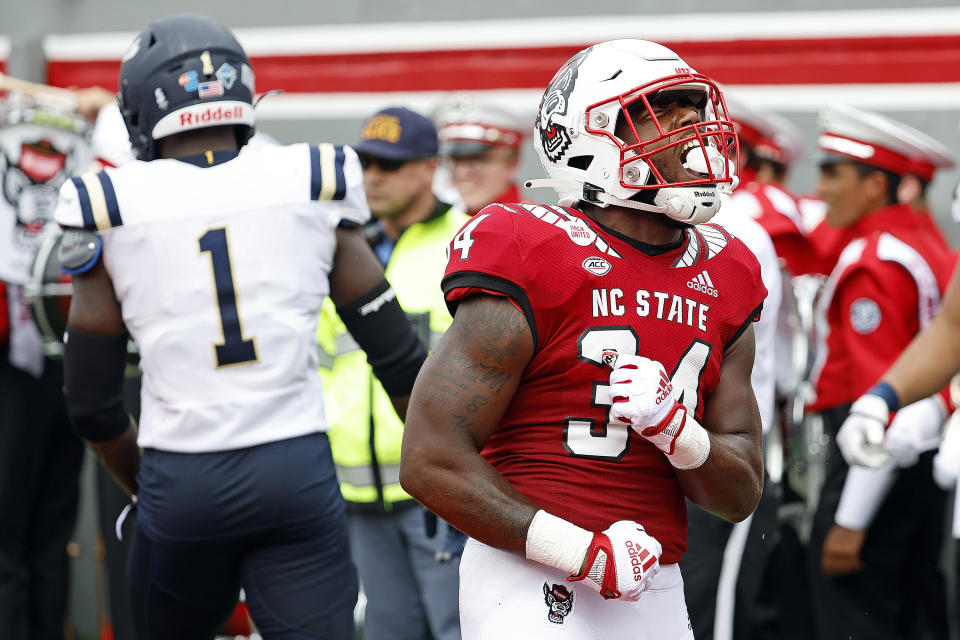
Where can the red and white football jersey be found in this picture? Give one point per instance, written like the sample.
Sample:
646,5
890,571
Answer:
585,289
884,289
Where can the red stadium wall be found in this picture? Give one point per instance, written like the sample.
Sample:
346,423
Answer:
788,60
850,60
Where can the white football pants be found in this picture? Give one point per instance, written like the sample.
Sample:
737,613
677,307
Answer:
504,596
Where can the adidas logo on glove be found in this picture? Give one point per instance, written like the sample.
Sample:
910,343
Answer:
641,559
664,388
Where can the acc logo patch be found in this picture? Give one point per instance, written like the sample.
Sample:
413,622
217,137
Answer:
559,602
865,315
597,266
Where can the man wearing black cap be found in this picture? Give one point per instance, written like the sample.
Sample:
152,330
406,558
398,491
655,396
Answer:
876,533
407,559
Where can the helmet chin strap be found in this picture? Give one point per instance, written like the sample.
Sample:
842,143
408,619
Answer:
597,195
630,204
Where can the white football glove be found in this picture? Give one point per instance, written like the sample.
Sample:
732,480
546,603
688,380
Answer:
915,429
861,437
621,561
642,395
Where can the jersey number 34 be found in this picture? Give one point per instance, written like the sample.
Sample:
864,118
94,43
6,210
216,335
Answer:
583,437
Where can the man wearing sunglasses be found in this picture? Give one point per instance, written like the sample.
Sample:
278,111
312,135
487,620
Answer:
408,560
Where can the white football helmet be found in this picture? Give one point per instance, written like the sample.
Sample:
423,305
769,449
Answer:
575,133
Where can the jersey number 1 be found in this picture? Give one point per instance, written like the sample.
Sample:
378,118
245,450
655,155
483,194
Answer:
234,349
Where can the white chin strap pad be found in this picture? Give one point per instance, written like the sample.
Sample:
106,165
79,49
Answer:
690,205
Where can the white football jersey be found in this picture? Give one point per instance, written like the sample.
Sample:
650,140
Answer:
220,271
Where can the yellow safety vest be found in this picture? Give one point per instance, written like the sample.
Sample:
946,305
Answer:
365,431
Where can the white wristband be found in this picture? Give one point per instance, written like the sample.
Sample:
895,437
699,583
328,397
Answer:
557,543
692,446
864,491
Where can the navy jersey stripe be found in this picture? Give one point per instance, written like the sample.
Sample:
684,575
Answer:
86,211
315,179
113,207
338,161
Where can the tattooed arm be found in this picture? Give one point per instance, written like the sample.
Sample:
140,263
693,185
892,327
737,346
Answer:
462,392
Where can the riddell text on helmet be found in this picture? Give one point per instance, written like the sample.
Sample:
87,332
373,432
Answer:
211,114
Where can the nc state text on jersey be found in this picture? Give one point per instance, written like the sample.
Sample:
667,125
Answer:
658,304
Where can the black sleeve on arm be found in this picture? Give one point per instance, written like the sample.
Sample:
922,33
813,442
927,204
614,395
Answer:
382,330
93,367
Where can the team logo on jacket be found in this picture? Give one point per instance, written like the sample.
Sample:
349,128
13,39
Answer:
597,266
559,601
865,315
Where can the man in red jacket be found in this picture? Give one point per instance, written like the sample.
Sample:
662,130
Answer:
872,566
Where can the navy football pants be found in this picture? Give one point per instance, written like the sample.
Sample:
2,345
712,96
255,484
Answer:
269,519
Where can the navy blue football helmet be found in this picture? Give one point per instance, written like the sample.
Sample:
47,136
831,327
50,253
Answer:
184,72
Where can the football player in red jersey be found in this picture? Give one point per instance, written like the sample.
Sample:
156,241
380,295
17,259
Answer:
597,371
886,286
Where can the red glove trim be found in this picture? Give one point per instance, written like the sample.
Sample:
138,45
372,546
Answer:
663,424
609,587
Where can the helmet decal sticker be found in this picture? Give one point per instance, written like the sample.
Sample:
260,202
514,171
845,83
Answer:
554,137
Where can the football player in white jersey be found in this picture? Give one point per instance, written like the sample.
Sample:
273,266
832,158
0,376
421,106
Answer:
216,259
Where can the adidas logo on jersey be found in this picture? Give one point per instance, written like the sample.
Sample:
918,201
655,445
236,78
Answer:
703,284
